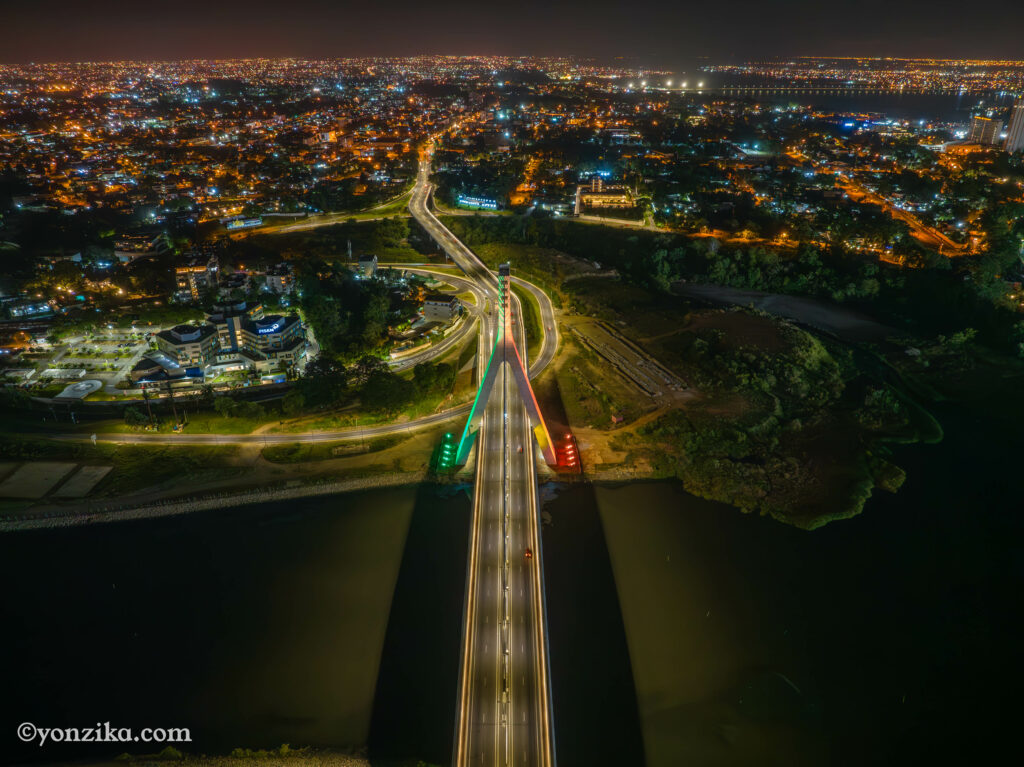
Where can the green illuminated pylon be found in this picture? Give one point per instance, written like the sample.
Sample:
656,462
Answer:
445,454
505,352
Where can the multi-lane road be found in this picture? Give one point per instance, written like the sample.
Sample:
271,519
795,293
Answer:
504,709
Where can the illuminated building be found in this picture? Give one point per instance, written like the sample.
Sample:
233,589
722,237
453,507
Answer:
599,195
195,276
984,130
276,337
228,320
244,335
1015,133
367,266
467,201
188,344
279,279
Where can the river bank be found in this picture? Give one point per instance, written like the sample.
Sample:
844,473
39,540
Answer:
57,517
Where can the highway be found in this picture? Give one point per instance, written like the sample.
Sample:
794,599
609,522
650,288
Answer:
504,710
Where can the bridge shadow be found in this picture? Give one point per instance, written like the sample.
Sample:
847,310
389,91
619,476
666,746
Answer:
596,717
414,705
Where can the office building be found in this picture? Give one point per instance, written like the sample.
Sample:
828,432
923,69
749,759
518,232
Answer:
985,130
274,338
228,320
1015,133
247,337
189,345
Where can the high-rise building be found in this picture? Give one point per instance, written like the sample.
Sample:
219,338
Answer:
1015,133
985,130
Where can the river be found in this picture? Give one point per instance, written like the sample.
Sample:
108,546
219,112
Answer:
680,630
890,638
252,626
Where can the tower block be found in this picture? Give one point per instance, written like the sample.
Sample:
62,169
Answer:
505,352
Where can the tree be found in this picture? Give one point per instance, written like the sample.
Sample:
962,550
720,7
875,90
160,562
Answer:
134,417
385,391
294,402
224,406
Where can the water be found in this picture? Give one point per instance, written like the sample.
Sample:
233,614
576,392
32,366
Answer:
681,631
253,626
890,638
943,107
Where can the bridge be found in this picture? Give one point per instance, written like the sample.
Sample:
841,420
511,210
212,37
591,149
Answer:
504,704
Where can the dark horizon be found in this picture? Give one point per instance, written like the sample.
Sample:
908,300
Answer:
669,34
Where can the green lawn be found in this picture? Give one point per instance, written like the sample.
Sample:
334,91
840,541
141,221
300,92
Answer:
301,452
531,321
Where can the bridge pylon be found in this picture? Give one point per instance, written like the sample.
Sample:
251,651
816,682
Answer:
505,352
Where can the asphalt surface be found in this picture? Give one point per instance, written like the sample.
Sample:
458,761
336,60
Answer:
504,715
342,435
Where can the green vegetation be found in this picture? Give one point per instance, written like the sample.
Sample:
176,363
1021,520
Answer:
938,296
531,320
135,466
786,426
590,394
284,750
381,393
544,267
390,239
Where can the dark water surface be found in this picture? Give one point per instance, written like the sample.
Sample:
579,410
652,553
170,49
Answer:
891,638
681,631
253,626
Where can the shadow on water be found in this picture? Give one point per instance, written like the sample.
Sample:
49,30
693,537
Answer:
252,626
414,706
591,677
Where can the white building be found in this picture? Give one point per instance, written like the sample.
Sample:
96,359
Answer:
440,307
1015,133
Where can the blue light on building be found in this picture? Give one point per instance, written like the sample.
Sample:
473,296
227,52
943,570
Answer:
477,202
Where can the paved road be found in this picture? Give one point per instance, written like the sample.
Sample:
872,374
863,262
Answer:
549,343
340,435
504,715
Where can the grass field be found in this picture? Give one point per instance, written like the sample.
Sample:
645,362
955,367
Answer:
135,466
531,321
544,267
301,452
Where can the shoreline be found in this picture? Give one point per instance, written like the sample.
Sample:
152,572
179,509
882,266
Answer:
194,504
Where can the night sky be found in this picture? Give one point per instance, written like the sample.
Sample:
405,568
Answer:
667,32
